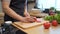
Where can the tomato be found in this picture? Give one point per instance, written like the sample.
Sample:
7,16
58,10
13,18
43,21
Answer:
46,25
54,23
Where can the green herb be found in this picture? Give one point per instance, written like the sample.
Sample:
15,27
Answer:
55,17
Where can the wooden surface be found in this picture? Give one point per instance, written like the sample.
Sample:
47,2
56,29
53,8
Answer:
40,30
28,25
1,14
1,18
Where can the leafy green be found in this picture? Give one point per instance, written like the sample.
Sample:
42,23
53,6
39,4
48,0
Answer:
50,18
55,17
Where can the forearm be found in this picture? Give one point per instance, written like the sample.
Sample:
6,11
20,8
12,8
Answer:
11,13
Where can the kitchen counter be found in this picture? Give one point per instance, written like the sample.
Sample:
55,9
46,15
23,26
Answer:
1,18
40,29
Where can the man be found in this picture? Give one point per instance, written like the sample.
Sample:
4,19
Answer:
16,10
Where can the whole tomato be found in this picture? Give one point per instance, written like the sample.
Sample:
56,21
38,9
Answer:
46,25
54,23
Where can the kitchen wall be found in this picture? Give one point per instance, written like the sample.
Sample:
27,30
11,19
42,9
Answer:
30,6
0,7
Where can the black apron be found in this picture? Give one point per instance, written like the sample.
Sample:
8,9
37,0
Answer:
18,7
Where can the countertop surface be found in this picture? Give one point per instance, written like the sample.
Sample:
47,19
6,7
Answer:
40,29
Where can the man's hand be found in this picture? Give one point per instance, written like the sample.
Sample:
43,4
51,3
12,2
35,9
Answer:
26,14
25,20
28,19
31,19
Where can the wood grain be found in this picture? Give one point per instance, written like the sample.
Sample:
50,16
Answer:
40,30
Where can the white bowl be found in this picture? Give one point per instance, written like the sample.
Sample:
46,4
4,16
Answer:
8,22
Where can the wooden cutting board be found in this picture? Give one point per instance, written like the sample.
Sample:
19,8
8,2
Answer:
28,25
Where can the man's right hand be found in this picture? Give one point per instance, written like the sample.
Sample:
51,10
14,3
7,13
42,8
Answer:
23,19
27,20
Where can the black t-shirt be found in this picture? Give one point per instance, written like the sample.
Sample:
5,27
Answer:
18,7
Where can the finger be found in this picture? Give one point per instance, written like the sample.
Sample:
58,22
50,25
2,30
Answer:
31,21
26,21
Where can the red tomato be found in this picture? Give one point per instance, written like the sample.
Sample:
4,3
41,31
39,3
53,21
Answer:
46,25
54,23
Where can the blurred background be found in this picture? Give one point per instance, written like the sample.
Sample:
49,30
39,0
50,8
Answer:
0,6
35,7
42,4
